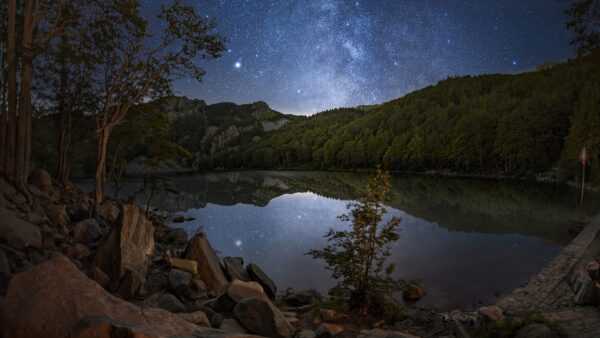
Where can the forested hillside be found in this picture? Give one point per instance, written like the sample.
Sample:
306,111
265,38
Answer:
500,124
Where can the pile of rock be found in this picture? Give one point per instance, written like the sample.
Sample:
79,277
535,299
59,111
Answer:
64,273
585,282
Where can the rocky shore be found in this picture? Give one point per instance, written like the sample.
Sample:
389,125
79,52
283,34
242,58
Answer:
125,274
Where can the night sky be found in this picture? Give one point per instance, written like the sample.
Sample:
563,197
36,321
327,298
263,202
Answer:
305,56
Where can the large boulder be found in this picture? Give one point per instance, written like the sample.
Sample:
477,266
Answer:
234,267
87,231
124,254
260,316
40,178
55,299
258,275
17,233
302,298
209,269
179,280
236,291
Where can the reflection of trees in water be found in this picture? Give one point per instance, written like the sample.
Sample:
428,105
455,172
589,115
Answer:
471,205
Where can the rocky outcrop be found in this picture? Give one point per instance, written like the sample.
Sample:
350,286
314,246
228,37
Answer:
234,267
55,299
258,275
260,316
124,255
18,233
209,269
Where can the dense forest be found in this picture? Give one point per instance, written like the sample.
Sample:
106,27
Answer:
520,125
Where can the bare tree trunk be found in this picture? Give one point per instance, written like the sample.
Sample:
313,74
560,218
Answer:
100,177
24,120
11,75
64,143
3,113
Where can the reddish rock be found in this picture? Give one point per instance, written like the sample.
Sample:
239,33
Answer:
491,313
209,269
124,254
236,291
18,233
199,318
415,293
111,210
327,315
55,299
185,264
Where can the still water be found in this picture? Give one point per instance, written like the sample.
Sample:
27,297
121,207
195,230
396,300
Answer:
469,241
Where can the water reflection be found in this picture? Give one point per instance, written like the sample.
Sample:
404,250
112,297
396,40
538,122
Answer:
468,240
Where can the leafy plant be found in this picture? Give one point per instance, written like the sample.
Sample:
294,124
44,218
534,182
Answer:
357,256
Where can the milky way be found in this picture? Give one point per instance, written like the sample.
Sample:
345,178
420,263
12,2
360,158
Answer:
303,56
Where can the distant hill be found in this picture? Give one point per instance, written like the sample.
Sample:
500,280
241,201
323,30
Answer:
207,129
518,125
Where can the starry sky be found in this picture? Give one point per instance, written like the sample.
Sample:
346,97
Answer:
305,56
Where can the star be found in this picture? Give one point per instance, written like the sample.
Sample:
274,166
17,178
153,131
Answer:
238,65
238,243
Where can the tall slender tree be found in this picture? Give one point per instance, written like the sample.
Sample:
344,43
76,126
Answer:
144,63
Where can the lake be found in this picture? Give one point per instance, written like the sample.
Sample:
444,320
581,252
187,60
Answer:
469,241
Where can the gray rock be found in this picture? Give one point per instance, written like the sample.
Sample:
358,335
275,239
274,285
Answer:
261,317
179,280
327,330
234,267
78,211
165,301
179,236
302,298
87,231
536,330
216,320
258,275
